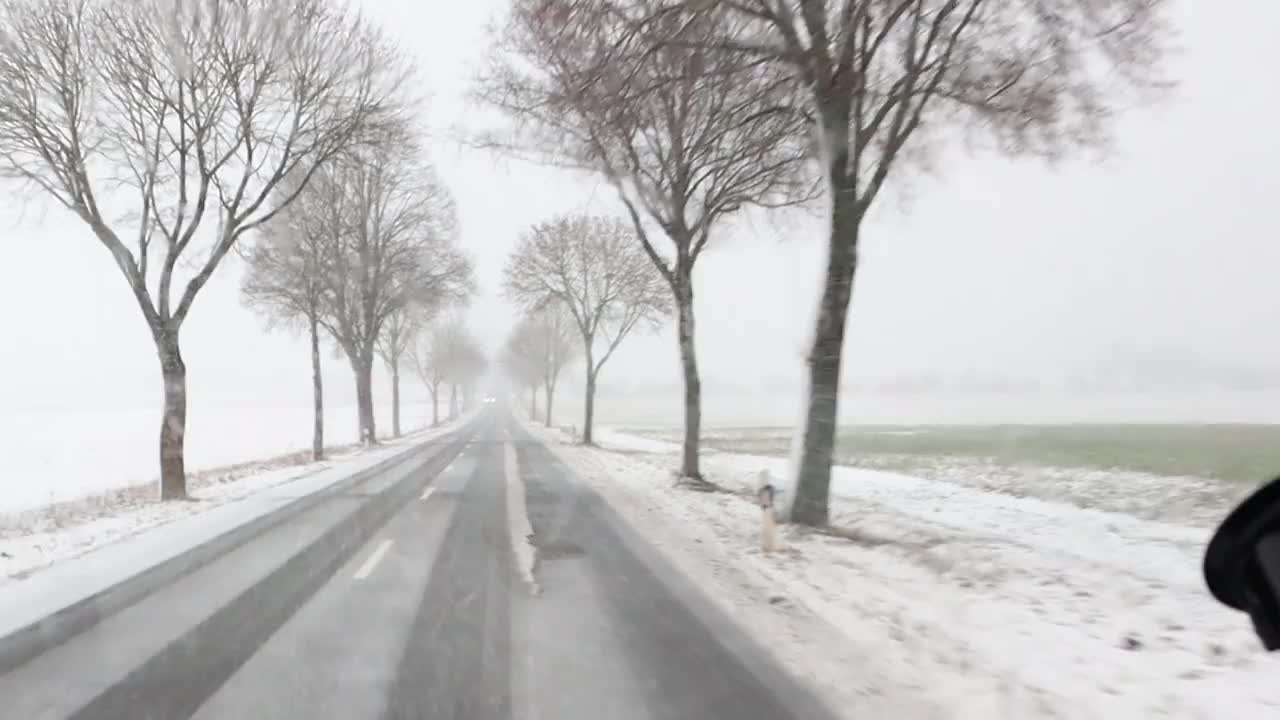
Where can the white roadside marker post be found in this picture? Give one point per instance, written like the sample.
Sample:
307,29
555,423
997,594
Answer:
769,521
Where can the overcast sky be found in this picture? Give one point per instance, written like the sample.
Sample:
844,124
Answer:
999,266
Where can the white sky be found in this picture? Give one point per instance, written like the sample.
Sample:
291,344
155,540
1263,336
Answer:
998,266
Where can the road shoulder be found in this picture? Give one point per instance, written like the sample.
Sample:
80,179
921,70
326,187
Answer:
688,655
846,674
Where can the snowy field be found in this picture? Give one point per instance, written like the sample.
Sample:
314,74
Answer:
55,457
38,537
951,599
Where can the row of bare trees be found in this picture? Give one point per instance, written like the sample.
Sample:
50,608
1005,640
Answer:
538,349
445,355
173,130
694,110
367,252
583,275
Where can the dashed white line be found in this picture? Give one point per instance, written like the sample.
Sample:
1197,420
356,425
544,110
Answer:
427,493
373,560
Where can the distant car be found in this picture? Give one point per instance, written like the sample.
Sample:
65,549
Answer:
488,399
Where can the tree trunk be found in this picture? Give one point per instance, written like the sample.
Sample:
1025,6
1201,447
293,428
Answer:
364,399
317,394
435,404
551,393
453,401
589,411
173,425
689,364
395,398
533,402
813,474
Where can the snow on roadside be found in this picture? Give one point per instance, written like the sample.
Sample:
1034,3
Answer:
36,538
1186,500
708,537
623,442
46,453
954,602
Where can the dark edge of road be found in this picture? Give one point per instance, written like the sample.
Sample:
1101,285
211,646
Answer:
713,642
177,680
455,663
25,644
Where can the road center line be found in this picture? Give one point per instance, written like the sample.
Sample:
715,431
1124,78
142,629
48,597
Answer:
373,560
427,493
519,528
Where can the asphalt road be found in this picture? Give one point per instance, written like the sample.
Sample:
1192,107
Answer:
402,598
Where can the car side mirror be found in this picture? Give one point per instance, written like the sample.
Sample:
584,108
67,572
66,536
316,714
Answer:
1242,562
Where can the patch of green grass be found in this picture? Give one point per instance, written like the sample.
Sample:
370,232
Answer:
1232,453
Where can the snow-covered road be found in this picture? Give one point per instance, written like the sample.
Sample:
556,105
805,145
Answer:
396,597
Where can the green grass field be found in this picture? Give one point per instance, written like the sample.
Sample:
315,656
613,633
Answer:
1245,454
1121,468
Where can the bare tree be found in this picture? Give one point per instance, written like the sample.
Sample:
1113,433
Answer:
466,363
687,134
888,82
429,355
553,340
402,330
393,342
521,362
386,224
596,270
447,354
283,282
471,365
524,361
190,113
539,347
475,366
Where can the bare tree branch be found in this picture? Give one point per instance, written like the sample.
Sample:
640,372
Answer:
539,347
445,353
172,124
593,268
686,132
888,82
386,229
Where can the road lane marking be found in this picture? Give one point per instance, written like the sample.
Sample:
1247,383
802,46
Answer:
373,560
427,493
519,529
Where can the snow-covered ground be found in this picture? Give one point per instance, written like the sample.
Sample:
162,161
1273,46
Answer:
37,537
951,601
1182,499
52,457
